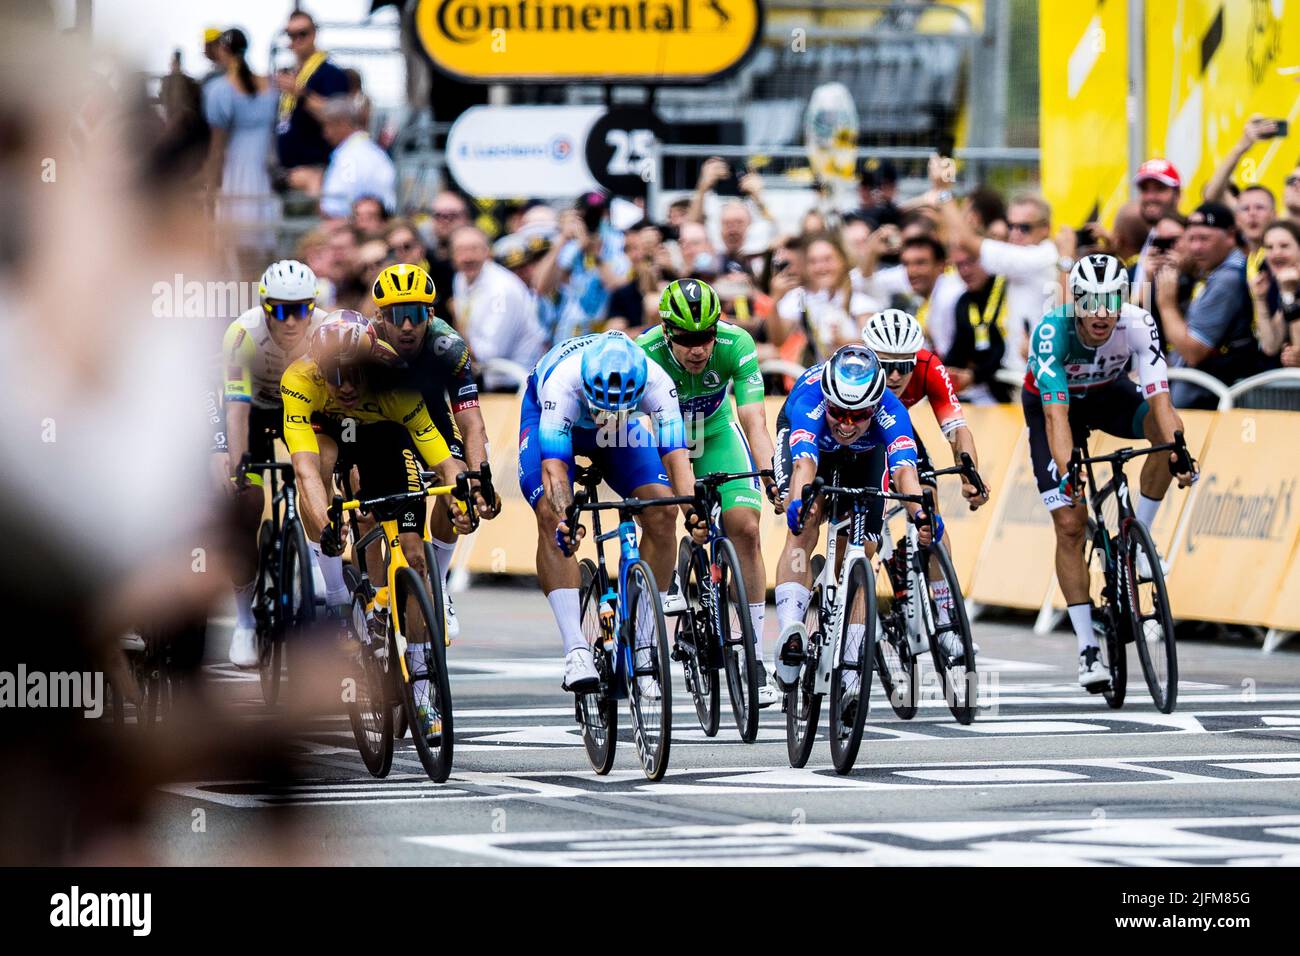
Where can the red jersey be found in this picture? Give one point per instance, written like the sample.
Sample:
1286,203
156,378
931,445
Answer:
930,380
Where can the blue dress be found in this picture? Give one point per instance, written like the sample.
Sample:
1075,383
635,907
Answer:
246,201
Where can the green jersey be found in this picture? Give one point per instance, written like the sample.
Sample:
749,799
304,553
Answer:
703,397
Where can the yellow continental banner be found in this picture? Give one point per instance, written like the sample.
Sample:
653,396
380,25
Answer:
652,40
1083,123
1285,612
1232,552
1198,426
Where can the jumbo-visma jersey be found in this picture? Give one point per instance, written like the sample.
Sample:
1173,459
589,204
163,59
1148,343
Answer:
810,435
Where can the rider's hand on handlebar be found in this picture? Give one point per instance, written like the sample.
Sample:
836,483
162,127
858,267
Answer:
973,496
1185,478
928,529
563,540
697,527
793,516
1069,491
485,508
331,541
460,518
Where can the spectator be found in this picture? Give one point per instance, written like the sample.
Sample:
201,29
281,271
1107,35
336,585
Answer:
314,250
1127,236
678,212
181,150
1276,290
521,253
1029,261
404,244
734,221
812,224
1166,259
932,291
211,45
495,313
240,109
824,312
698,258
1291,194
979,325
357,166
636,302
1256,208
345,266
300,139
372,258
585,267
451,210
1220,184
1215,337
988,213
877,186
1159,189
370,217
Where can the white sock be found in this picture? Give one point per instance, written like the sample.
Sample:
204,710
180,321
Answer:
756,612
442,552
1081,618
244,604
791,602
1147,509
942,601
331,569
564,605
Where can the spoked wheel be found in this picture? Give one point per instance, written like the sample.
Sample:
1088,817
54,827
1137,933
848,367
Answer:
1150,619
740,656
370,712
650,689
851,673
597,710
898,668
803,704
266,611
1106,613
426,690
957,671
693,636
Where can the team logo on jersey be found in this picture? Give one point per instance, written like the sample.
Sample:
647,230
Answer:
1061,396
902,443
885,419
443,344
1151,389
711,379
802,435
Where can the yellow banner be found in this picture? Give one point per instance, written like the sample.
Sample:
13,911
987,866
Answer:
1210,65
662,41
1083,121
1243,521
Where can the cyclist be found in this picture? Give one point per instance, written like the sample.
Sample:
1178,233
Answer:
838,418
1079,353
258,347
579,401
706,358
913,373
436,363
379,432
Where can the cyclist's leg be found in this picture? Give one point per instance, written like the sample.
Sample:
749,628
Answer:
1069,522
249,506
441,534
557,575
329,441
742,503
1156,476
793,569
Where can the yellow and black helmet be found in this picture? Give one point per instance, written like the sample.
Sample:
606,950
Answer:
403,284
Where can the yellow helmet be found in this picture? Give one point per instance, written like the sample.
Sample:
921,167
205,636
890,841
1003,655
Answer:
403,284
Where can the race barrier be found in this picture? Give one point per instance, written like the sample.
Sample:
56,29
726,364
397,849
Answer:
1232,540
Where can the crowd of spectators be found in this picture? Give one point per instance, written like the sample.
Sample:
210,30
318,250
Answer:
977,270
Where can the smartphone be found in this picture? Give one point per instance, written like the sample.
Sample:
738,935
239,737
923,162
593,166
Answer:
1163,243
1282,128
1085,236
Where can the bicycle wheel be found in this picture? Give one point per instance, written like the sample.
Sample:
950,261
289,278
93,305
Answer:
957,674
650,687
598,710
431,563
370,712
693,637
851,674
1149,618
803,704
898,668
1106,613
266,611
740,656
416,615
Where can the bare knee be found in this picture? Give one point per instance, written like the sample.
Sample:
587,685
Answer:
1070,525
741,525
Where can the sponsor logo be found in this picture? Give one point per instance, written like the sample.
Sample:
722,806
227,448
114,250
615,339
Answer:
298,419
1151,389
1164,384
561,148
802,435
470,389
1062,396
292,394
548,406
711,379
1232,513
443,344
817,413
902,443
885,419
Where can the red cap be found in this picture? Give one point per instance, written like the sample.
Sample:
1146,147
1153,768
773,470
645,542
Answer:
1161,170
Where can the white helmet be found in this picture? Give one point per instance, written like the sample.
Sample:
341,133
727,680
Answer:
893,332
288,281
852,378
1099,275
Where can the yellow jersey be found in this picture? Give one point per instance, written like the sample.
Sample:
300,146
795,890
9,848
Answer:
304,392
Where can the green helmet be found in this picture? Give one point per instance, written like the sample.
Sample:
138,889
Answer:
690,305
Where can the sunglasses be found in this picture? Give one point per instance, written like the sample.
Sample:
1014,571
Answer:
902,366
1293,180
409,246
298,34
409,312
1023,226
448,216
690,340
340,375
282,311
853,416
1096,301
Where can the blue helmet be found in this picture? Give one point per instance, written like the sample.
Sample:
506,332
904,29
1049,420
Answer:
613,373
853,379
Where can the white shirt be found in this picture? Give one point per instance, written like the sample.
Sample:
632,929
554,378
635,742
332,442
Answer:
826,315
1031,287
498,317
357,168
941,321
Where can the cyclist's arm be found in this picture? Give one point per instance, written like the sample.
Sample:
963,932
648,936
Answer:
753,421
237,416
747,387
1060,439
313,499
296,393
237,349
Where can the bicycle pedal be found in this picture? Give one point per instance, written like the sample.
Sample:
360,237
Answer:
1098,688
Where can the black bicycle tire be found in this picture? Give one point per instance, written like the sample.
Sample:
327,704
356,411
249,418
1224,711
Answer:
964,714
843,754
654,759
1138,536
600,755
269,629
371,678
746,717
437,762
701,679
799,746
1116,657
904,709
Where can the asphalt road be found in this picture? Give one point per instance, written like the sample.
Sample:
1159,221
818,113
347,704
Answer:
1046,775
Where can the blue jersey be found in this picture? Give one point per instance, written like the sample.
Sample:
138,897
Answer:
810,435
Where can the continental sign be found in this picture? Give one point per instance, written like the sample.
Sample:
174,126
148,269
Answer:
646,41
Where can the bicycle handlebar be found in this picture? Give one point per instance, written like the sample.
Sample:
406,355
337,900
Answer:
1182,463
629,505
818,487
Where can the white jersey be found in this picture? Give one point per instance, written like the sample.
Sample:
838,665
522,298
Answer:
253,362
